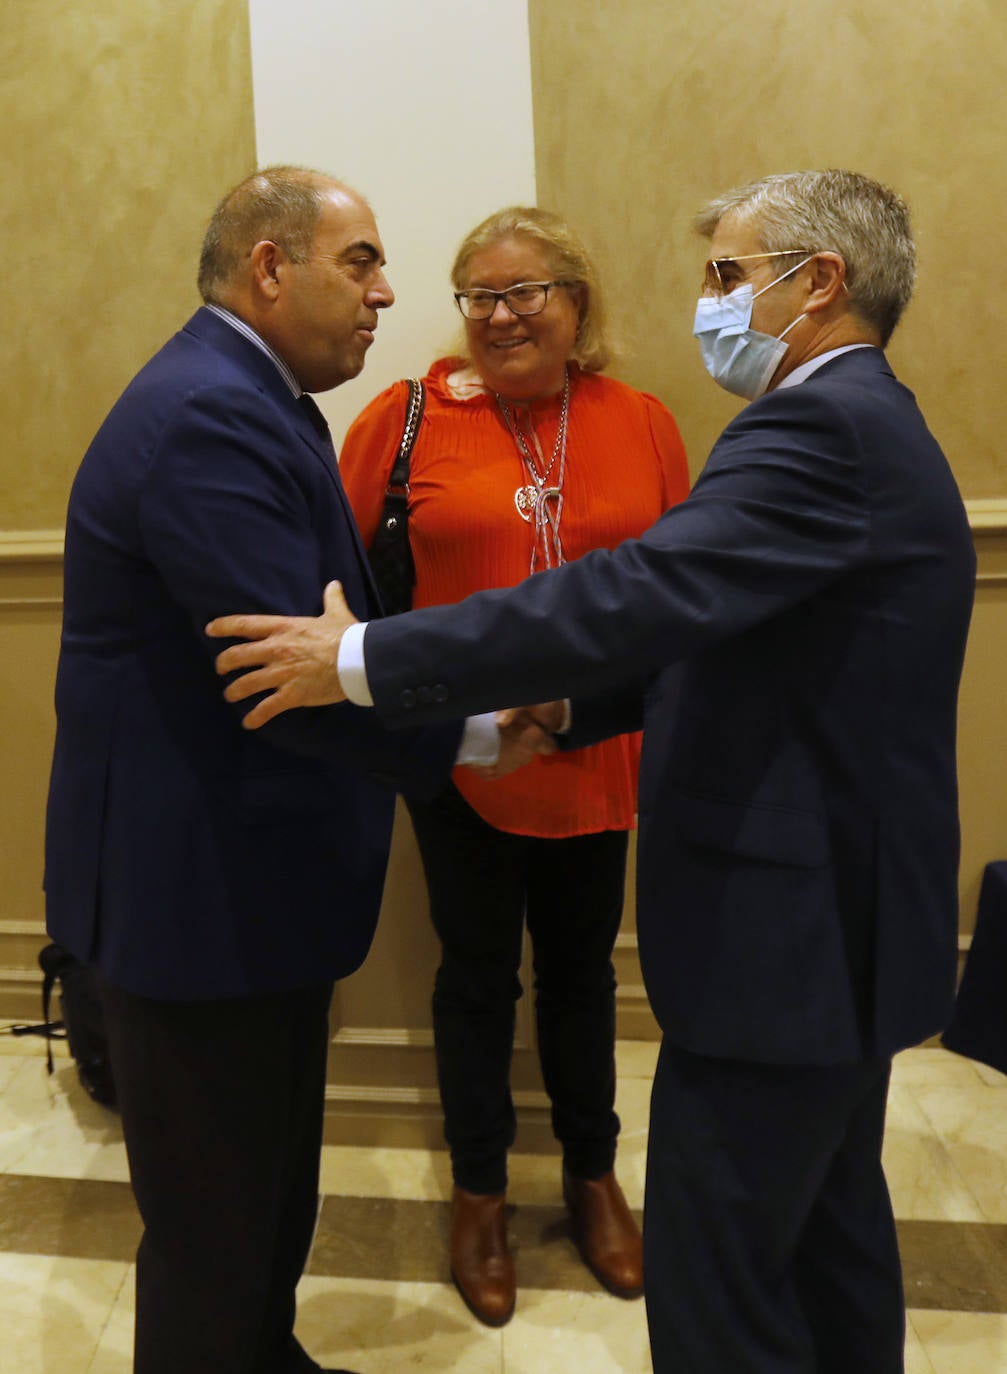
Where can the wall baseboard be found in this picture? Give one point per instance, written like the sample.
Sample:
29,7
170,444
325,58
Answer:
20,996
410,1118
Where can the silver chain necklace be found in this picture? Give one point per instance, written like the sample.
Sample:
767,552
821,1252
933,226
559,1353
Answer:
536,501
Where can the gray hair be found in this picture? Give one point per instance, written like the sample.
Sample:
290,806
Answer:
281,204
570,262
866,223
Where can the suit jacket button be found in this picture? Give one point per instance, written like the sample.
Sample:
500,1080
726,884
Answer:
439,692
423,695
407,698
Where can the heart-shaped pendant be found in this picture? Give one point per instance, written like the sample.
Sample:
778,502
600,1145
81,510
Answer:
524,499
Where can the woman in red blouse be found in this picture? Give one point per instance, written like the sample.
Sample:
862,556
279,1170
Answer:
526,457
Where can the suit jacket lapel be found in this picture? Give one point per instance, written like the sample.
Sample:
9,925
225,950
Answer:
223,336
325,451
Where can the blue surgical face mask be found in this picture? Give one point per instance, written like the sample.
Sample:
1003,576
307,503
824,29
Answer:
737,357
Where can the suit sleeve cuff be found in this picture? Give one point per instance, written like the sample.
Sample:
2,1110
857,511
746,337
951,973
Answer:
480,741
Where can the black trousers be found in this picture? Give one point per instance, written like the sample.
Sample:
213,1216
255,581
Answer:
222,1108
769,1241
484,884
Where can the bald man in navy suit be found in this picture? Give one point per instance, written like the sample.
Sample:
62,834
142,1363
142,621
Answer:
219,880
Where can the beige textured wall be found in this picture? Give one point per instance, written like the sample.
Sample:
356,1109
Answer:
127,118
125,121
644,109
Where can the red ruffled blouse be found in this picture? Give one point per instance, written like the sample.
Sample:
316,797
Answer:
625,464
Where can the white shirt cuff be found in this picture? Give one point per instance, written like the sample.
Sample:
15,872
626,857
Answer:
350,665
480,742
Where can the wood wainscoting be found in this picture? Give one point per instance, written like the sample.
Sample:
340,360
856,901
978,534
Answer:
31,601
382,1085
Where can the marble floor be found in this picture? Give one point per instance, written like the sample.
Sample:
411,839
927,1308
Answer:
376,1296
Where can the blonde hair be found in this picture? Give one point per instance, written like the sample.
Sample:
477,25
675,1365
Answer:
570,263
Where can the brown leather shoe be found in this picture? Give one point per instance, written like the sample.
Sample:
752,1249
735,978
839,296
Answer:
481,1264
605,1232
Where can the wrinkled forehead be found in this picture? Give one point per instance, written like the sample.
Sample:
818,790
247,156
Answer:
345,221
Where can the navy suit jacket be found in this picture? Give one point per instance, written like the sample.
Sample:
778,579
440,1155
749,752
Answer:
185,856
791,639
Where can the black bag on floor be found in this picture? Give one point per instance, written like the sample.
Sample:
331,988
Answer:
82,1020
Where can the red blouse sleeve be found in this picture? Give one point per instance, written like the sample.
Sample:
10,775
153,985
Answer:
670,451
368,453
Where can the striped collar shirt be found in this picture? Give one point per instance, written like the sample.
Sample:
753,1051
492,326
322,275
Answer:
249,333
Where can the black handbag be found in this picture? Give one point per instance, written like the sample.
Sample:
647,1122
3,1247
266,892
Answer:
390,556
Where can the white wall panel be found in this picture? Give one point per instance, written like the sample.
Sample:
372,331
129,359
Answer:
425,107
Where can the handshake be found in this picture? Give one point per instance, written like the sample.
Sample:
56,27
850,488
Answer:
294,660
524,732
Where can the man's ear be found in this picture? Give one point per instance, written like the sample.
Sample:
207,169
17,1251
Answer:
828,281
265,259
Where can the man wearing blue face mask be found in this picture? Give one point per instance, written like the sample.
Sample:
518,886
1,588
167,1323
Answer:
791,638
737,356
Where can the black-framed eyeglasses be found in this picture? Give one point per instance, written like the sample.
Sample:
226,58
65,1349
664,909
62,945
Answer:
526,298
720,276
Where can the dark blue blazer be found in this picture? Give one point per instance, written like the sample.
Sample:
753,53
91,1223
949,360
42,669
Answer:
185,856
791,639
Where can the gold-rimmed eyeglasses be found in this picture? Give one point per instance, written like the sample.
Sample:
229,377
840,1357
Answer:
721,276
524,298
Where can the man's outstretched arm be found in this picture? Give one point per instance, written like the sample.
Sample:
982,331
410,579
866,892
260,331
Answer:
295,660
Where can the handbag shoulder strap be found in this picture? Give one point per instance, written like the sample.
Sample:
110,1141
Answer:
414,414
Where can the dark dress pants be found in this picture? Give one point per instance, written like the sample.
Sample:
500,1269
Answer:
484,885
769,1241
222,1108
